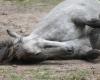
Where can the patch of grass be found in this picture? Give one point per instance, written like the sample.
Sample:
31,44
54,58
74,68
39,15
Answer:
78,75
44,73
15,76
43,5
45,2
47,74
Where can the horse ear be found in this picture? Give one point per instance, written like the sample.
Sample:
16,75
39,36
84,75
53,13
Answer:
13,34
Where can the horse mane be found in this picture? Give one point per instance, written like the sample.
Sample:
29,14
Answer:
6,50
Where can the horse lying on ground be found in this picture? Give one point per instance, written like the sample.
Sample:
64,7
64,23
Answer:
70,30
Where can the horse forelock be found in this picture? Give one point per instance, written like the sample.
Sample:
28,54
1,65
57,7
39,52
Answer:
8,50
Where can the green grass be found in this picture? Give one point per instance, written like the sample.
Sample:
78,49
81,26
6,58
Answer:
41,5
78,75
45,2
15,76
42,73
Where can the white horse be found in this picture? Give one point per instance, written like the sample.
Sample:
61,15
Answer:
68,26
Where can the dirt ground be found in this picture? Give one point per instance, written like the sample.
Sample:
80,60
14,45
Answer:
23,20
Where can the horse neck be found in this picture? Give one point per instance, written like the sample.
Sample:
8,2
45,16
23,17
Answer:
43,29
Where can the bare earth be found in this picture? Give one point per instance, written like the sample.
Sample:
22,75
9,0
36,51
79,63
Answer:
22,21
